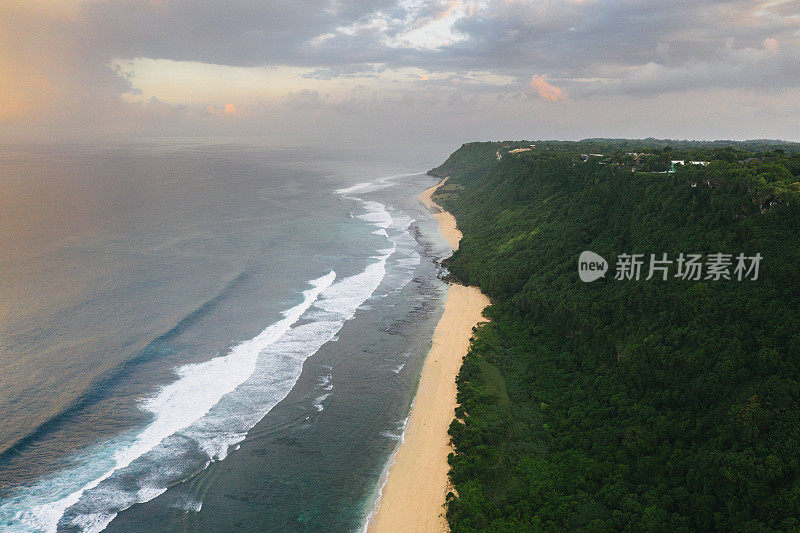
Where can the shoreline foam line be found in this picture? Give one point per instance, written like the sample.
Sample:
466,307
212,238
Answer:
411,496
110,477
374,185
235,367
279,366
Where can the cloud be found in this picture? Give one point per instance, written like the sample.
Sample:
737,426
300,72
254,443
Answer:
227,109
79,64
304,99
764,68
545,90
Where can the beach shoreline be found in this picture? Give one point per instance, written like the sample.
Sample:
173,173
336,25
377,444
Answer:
413,495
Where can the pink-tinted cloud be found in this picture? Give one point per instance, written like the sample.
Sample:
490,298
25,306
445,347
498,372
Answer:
546,91
446,9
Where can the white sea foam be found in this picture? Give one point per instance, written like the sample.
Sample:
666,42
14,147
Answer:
188,504
211,405
374,185
391,435
400,437
325,383
391,224
376,214
357,188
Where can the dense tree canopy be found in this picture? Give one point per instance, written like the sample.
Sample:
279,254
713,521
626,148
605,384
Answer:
630,405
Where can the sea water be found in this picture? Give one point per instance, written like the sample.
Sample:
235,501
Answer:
207,337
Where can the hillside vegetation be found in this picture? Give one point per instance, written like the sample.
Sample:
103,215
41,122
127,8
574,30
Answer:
628,405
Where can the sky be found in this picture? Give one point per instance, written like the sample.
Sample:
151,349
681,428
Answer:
399,70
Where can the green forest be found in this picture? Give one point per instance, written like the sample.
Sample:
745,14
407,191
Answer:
625,405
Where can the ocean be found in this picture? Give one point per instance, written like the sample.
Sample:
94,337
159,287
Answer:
209,337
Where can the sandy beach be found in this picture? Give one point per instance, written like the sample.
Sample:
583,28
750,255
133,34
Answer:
447,222
414,495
